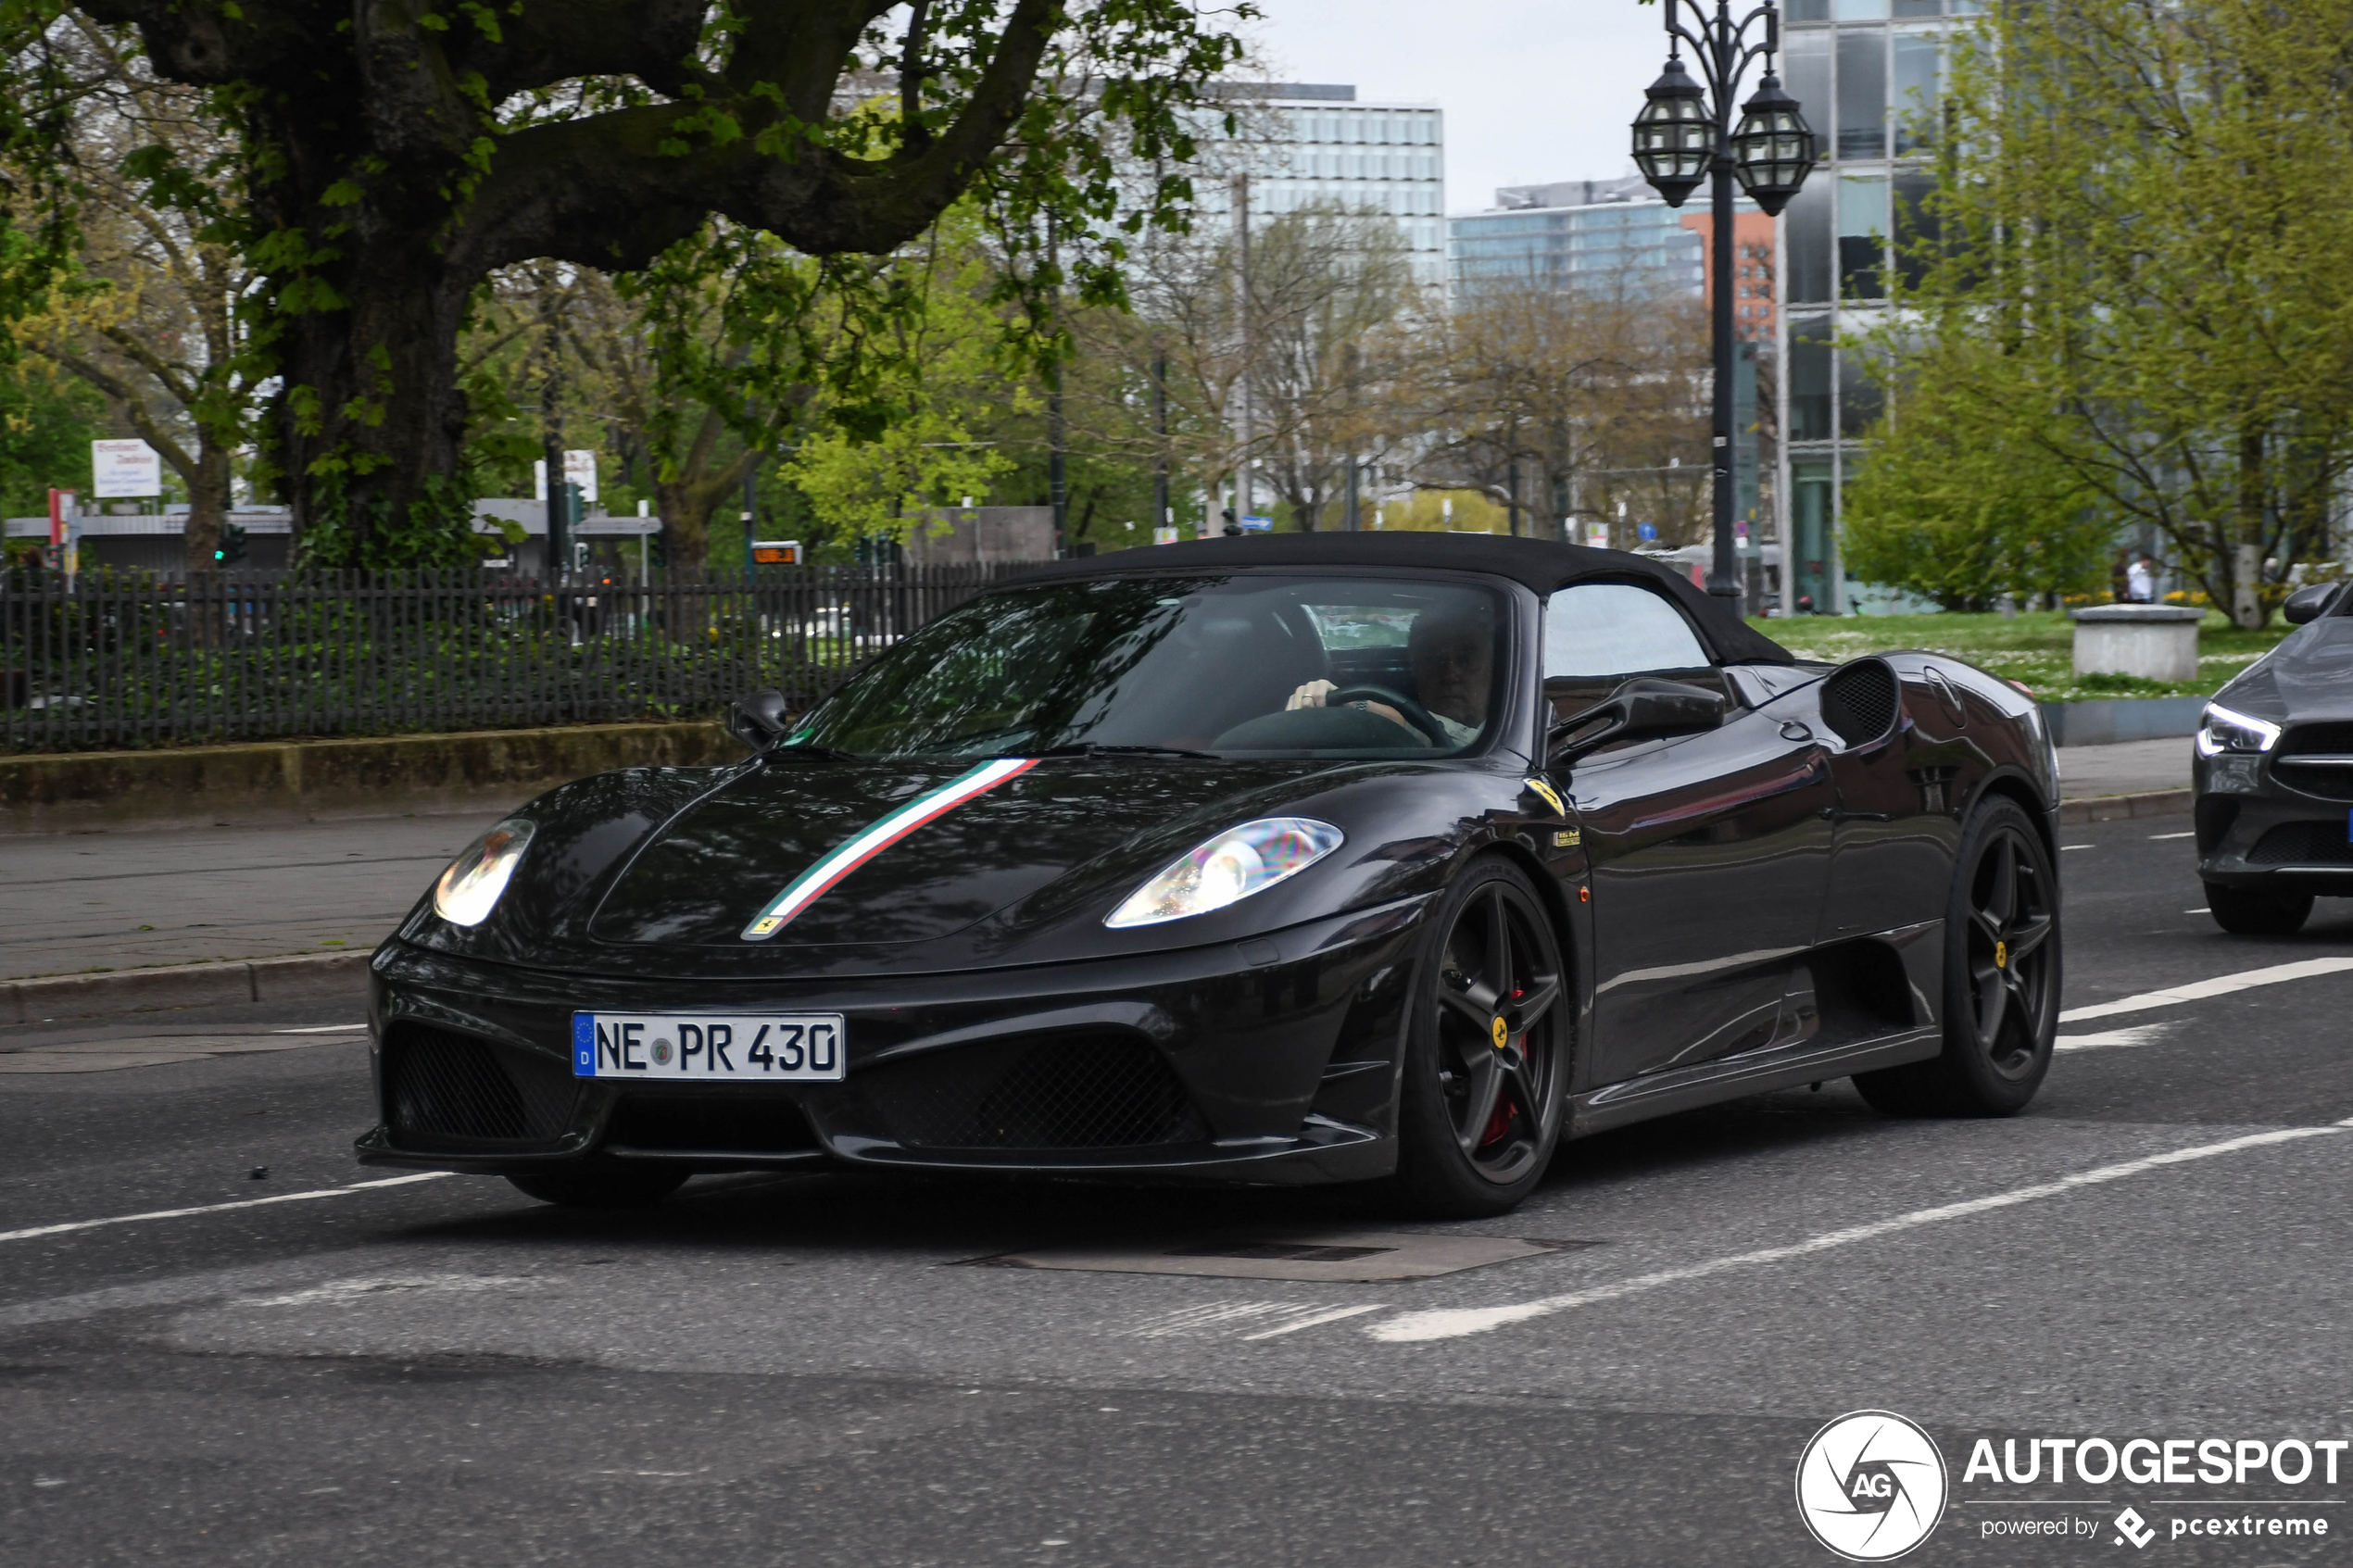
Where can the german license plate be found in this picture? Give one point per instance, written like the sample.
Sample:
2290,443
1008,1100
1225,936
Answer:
758,1048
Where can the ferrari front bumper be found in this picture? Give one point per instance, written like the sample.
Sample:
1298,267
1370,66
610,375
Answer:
1273,1059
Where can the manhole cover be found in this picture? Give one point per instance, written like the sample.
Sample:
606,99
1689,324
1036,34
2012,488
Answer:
1337,1256
1292,1251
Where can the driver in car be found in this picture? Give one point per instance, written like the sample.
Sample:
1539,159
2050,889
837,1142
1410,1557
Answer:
1453,655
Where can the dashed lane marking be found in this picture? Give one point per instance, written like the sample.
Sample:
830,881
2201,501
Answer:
1242,1320
30,1232
2156,837
1456,1323
2131,1035
2221,985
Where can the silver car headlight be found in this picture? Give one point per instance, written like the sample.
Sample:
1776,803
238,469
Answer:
468,890
1229,868
2224,732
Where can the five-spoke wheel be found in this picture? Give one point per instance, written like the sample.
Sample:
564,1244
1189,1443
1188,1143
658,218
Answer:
1488,1058
2001,978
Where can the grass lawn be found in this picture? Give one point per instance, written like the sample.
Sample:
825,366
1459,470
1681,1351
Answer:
2036,650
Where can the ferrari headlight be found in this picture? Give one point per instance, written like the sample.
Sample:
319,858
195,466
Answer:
1229,868
2226,731
468,890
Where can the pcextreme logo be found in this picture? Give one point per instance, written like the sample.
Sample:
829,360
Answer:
1871,1485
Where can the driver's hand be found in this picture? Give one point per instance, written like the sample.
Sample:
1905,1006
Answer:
1391,714
1312,695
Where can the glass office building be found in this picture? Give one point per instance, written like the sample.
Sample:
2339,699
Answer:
1317,146
1863,70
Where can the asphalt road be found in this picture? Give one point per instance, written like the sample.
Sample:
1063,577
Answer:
807,1371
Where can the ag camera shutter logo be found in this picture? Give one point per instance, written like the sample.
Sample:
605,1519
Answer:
1871,1485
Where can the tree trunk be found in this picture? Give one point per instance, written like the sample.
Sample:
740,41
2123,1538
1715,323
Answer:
370,423
2247,607
208,502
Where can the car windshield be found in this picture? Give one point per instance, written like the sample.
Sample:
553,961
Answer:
1237,665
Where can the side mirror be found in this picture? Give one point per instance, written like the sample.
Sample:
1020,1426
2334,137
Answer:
1636,710
2308,603
758,720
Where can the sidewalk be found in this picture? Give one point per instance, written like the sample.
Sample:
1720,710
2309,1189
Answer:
124,899
2134,767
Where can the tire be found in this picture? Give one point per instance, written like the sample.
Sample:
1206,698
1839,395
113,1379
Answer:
1478,1121
2244,912
602,1187
2002,974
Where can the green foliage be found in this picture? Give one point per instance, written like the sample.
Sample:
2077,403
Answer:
1964,513
2035,649
2130,295
898,432
344,533
47,425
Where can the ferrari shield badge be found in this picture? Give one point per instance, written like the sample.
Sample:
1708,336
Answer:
1551,796
860,847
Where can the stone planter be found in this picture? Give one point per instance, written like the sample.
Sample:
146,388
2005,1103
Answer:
2154,642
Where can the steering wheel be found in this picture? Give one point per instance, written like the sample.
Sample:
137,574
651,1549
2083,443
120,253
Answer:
1420,718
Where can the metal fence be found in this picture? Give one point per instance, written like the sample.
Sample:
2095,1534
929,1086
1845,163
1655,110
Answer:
119,663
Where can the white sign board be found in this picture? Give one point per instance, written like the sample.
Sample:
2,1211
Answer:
1597,536
124,469
580,468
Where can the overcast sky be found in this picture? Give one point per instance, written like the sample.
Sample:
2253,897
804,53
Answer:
1533,89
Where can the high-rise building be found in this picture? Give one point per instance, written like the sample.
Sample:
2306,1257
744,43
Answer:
1608,235
1316,145
1866,72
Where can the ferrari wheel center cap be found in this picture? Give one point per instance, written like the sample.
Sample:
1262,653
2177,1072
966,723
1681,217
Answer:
1502,1032
2001,955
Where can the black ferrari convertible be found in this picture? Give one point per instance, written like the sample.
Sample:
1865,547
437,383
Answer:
1311,858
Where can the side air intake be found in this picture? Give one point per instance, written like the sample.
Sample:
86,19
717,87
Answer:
1859,701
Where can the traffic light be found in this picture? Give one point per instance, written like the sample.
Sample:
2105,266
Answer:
231,548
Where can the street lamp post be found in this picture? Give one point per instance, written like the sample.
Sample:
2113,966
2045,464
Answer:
1685,134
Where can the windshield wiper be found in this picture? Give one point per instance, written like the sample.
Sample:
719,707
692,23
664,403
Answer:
813,750
1090,748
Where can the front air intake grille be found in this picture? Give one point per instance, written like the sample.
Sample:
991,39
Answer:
2303,844
2315,740
740,1122
443,1086
1097,1090
1859,702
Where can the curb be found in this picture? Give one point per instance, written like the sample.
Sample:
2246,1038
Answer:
337,976
2115,808
308,978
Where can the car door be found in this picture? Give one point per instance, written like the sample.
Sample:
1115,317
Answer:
1707,854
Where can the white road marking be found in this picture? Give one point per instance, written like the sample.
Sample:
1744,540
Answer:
2157,837
323,1029
1455,1323
1334,1315
220,1207
2197,911
1219,1318
2221,985
2132,1035
340,1292
2064,848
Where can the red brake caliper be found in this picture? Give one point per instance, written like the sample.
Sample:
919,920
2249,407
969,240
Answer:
1499,1125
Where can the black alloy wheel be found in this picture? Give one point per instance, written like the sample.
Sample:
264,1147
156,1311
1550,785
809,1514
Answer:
2248,911
602,1187
1487,1059
2002,956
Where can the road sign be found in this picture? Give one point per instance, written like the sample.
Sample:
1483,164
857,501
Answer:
580,468
124,469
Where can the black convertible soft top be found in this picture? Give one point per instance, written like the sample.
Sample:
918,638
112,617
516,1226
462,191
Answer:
1540,564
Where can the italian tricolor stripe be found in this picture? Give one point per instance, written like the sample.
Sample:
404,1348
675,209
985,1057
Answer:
811,884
